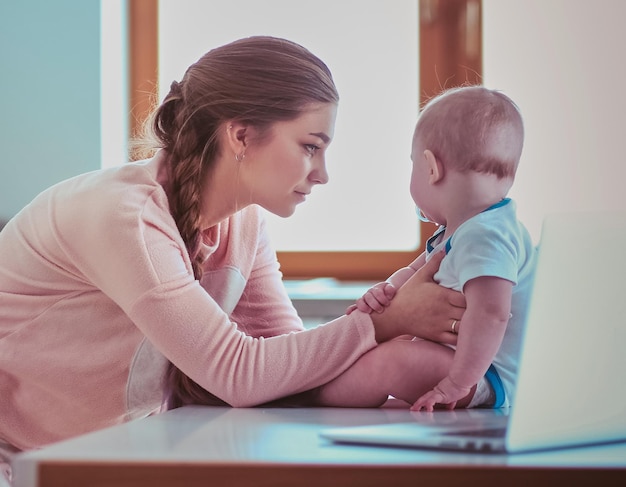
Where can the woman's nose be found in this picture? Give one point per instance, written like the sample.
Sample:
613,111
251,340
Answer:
319,175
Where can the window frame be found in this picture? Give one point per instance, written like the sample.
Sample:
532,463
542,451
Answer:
450,54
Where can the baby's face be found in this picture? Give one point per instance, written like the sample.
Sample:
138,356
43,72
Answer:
420,188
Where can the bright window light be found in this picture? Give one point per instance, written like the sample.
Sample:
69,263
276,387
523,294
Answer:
113,82
371,46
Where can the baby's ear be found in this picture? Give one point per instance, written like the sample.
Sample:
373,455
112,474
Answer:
435,168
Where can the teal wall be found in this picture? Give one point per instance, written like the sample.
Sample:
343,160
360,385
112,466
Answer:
49,95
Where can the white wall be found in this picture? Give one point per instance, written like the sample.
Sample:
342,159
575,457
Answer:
50,103
563,62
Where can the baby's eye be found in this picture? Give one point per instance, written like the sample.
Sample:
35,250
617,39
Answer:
311,148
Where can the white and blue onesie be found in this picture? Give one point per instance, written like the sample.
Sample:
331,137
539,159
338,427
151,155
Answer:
493,243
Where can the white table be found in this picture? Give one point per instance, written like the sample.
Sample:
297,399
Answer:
196,446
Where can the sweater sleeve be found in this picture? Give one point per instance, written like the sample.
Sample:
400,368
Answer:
242,370
134,254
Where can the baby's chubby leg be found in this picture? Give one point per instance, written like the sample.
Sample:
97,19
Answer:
404,369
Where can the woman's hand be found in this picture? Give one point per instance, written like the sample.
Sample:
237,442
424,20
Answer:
421,308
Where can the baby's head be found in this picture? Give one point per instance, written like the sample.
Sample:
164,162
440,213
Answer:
472,128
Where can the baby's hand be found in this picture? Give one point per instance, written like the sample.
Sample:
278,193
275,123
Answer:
377,298
446,392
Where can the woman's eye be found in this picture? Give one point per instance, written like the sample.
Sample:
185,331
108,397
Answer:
311,148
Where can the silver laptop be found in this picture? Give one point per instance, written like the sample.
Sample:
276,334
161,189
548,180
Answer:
570,389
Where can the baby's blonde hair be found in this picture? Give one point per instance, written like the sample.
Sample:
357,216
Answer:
473,128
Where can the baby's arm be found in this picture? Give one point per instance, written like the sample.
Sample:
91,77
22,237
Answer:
480,335
398,278
380,295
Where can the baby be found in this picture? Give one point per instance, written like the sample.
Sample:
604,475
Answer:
466,149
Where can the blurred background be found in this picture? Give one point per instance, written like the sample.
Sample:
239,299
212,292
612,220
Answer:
78,76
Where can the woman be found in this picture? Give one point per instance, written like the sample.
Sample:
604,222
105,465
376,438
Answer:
154,283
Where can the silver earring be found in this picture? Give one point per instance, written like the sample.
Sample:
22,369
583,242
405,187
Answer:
240,157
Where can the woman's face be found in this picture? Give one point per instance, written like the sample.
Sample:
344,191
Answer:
282,170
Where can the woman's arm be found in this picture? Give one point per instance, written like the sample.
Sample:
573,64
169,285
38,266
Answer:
150,281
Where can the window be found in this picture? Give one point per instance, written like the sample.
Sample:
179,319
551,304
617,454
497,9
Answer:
385,45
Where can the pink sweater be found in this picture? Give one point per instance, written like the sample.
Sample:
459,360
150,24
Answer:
97,293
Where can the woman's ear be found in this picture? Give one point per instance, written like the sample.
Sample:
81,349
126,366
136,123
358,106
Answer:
237,137
435,168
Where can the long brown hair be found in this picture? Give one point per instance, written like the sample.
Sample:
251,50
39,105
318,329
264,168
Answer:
258,81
